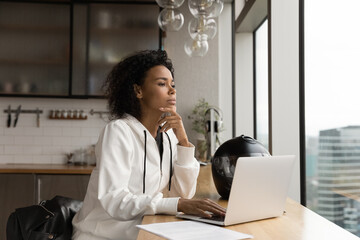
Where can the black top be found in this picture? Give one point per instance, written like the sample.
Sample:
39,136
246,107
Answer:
159,142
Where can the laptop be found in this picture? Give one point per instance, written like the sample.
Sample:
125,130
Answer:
259,190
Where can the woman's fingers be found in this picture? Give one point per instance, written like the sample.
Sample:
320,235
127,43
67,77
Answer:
205,214
174,121
215,206
168,119
170,124
200,207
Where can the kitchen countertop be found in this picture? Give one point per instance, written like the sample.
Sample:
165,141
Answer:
45,168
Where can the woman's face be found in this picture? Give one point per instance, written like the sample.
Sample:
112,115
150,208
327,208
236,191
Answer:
158,90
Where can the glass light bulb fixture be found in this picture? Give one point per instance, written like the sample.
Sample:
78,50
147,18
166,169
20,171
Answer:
170,19
197,47
202,26
201,29
215,9
170,3
207,8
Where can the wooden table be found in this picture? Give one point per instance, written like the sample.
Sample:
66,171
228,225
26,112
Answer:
298,223
46,168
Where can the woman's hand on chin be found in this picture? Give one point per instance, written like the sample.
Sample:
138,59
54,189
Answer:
174,121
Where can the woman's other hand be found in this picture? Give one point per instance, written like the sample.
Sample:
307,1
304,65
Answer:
174,122
200,207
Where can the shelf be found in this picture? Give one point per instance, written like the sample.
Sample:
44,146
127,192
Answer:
123,31
45,168
68,118
102,64
34,62
31,29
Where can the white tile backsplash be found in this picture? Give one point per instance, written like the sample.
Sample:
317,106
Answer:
18,131
23,158
41,159
6,158
23,140
32,150
52,150
27,143
43,141
71,131
13,150
33,131
81,141
58,160
90,132
6,140
52,131
61,141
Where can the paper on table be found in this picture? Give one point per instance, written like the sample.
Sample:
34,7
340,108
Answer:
188,230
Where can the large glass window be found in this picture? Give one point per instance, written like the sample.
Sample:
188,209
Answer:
261,84
332,116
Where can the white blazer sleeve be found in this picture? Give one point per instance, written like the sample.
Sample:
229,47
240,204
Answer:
115,155
186,171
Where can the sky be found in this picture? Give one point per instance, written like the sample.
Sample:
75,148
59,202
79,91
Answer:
332,64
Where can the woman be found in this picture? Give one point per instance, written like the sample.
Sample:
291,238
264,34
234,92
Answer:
140,154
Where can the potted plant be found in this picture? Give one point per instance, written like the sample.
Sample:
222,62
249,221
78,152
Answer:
199,124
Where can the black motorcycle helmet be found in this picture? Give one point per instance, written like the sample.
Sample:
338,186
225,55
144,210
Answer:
225,157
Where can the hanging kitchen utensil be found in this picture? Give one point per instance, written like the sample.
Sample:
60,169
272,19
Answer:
18,110
37,117
9,117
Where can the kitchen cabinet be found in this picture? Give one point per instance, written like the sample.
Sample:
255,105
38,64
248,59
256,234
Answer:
111,32
73,186
21,190
34,48
66,49
16,190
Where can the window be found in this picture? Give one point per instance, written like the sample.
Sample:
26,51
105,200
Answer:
332,116
261,84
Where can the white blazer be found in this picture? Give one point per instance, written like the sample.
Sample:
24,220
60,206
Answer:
128,181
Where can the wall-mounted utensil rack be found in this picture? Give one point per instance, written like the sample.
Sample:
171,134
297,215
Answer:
25,111
93,112
17,112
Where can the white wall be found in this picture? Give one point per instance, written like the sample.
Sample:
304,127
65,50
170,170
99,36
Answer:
225,71
285,84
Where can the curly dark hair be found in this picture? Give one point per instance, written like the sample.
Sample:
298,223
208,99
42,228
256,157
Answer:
119,85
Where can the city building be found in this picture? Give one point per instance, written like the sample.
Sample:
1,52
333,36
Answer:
339,176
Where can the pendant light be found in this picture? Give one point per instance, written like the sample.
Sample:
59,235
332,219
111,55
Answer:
202,27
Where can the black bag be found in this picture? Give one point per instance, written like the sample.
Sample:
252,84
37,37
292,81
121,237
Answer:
51,219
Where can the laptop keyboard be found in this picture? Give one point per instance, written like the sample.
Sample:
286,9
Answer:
216,218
